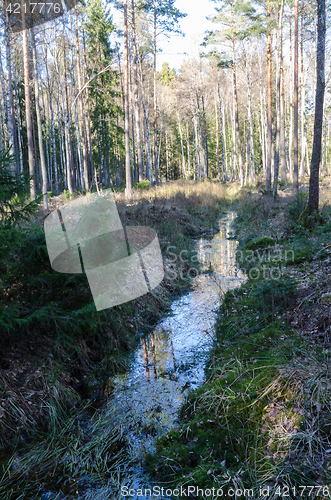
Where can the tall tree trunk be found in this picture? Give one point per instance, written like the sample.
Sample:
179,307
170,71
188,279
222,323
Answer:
236,118
262,120
319,106
80,105
282,147
88,111
233,150
149,171
69,154
290,140
222,130
128,188
188,150
136,96
4,95
182,146
250,124
269,87
28,116
53,128
217,143
19,123
155,101
278,92
134,163
10,100
296,90
303,99
39,125
226,175
205,135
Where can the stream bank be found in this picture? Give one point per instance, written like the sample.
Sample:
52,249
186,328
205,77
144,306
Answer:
259,427
43,388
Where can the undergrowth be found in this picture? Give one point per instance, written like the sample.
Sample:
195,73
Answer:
261,421
57,350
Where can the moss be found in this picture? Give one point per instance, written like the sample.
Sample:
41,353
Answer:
262,242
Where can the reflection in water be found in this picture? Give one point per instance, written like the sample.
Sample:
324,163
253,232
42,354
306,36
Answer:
145,402
145,357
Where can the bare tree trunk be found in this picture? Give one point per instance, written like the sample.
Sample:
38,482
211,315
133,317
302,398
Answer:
226,173
234,151
196,146
53,128
88,110
319,106
19,140
155,102
217,144
278,92
40,131
269,86
282,147
28,116
128,188
182,146
291,92
188,150
205,135
303,99
250,124
236,117
167,159
296,88
4,95
11,115
136,96
80,105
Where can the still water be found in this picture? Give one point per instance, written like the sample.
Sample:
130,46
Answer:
169,362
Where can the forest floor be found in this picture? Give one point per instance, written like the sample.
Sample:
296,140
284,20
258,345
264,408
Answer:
58,352
262,420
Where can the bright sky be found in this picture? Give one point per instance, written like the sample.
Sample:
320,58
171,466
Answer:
193,25
177,48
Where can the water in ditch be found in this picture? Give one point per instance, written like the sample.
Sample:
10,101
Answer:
169,362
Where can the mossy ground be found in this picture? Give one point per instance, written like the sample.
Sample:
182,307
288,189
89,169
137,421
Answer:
262,418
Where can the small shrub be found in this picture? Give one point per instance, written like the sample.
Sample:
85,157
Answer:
297,207
142,185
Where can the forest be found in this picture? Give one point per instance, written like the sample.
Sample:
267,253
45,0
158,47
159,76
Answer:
82,103
215,381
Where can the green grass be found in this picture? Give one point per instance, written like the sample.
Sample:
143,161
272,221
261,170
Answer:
67,350
262,419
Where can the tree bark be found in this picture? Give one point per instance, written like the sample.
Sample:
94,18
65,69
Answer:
182,146
296,90
269,90
88,111
136,96
278,93
236,117
282,147
80,105
28,116
217,144
205,135
39,125
319,106
155,101
128,189
11,127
